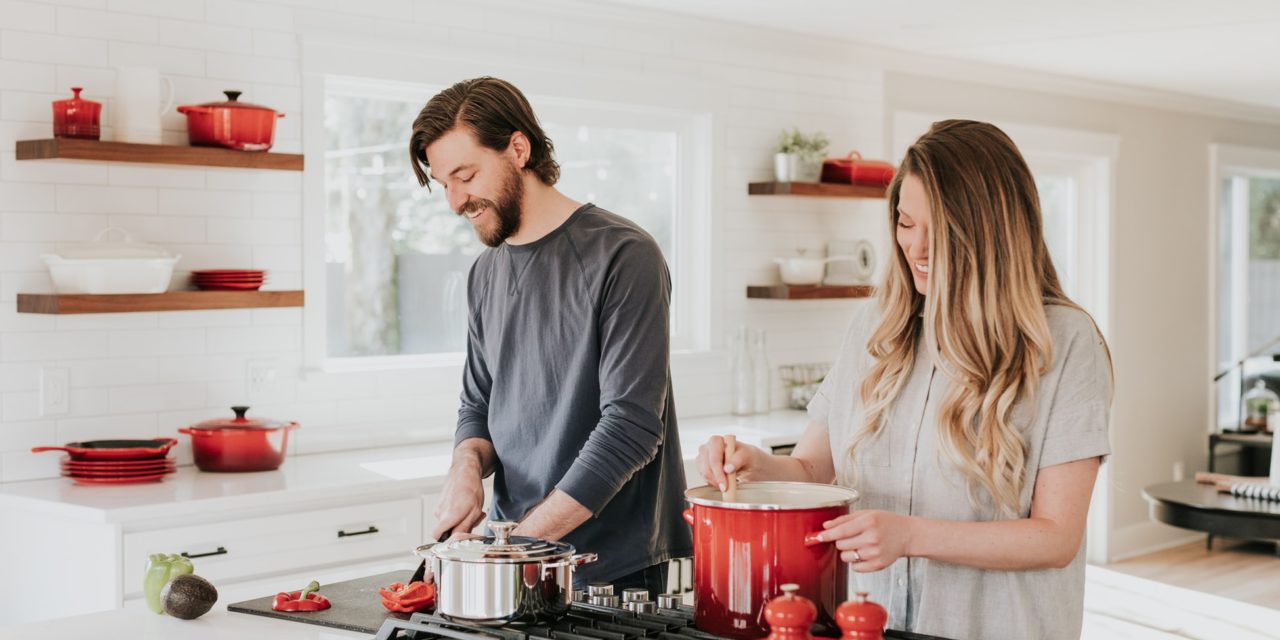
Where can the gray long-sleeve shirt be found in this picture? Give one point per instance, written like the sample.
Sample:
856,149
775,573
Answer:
568,375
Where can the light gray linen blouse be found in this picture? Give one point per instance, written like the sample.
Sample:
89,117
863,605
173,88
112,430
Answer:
904,471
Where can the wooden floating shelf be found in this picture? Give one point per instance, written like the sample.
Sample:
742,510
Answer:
819,189
54,303
812,292
76,149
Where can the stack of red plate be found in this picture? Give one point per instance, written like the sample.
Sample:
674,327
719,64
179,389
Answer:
116,461
228,279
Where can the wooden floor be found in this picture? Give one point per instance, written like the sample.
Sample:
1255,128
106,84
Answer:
1243,571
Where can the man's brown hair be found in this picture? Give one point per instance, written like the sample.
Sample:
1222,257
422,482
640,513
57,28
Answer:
492,109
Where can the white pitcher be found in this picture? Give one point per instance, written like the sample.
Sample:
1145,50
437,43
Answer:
138,106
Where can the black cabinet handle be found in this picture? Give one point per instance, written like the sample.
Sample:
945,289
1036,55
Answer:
220,552
344,534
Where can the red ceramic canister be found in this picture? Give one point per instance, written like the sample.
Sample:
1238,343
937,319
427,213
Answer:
745,551
76,117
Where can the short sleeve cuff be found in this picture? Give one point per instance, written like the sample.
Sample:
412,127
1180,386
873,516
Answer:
1077,446
819,408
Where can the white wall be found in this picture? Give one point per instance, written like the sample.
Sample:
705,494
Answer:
142,375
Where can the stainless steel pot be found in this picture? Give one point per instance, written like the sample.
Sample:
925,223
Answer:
502,579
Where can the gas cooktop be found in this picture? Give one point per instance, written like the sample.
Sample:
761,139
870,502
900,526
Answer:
582,622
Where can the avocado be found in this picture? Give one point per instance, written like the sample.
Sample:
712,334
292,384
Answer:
188,597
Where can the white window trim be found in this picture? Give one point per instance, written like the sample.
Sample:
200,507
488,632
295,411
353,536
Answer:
1230,161
322,62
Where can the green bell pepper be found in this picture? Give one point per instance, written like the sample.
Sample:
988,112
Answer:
162,568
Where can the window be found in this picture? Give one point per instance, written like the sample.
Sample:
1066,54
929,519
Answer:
1248,275
396,257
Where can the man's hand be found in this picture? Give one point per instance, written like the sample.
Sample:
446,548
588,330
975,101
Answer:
461,505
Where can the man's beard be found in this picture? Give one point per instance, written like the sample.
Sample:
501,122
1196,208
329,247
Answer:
506,210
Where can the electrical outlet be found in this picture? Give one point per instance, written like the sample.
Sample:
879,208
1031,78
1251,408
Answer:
55,391
262,377
1179,471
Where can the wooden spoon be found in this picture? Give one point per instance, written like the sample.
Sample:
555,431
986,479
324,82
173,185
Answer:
730,445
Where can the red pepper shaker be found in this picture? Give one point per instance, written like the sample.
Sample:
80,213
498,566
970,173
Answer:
76,117
790,615
861,619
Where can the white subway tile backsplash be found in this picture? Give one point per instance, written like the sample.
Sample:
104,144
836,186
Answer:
144,176
25,282
111,25
61,173
52,345
256,339
452,14
19,405
160,397
19,376
257,15
49,227
209,37
26,197
204,256
156,342
278,258
27,16
24,105
240,179
22,436
206,203
106,321
254,231
167,59
286,317
112,372
277,205
26,76
161,229
181,9
24,465
242,68
12,132
208,318
92,199
98,84
275,44
40,47
131,426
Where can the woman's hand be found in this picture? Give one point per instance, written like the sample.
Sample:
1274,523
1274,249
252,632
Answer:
715,469
870,540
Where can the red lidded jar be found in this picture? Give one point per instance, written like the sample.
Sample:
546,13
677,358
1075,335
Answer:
790,615
861,619
76,117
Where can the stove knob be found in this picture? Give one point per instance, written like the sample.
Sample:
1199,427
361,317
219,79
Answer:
645,607
635,594
613,602
599,589
579,595
669,601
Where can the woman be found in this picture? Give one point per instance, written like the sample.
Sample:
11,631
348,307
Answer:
968,406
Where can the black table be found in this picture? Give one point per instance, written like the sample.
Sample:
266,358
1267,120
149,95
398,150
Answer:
1200,507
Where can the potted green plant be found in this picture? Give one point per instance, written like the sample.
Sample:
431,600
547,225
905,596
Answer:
799,157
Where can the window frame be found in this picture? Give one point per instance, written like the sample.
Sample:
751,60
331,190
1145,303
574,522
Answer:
692,237
1238,162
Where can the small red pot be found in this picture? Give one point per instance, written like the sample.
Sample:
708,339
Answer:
744,551
239,444
76,117
232,124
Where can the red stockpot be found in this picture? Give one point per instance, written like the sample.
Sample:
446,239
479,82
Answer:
233,124
239,444
744,551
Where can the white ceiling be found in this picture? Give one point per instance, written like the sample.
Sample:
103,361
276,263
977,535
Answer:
1221,49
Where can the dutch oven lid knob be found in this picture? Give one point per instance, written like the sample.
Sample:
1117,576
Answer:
502,532
790,615
240,411
233,95
861,619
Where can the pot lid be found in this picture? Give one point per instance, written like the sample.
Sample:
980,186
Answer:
233,102
103,248
790,610
502,547
241,422
774,496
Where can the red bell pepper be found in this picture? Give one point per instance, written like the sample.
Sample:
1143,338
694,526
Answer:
408,598
305,600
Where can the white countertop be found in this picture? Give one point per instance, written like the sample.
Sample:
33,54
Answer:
324,477
142,624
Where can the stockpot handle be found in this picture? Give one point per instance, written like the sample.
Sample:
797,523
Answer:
575,560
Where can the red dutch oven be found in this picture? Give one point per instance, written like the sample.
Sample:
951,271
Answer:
744,551
239,444
233,124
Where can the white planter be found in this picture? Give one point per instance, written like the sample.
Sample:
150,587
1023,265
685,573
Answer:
791,167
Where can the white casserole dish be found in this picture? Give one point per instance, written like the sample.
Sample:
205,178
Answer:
106,267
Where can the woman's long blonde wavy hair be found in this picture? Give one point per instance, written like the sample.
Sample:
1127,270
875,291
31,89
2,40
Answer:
990,278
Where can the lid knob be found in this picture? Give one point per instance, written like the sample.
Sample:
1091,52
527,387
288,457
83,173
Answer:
240,411
790,615
502,532
861,619
232,95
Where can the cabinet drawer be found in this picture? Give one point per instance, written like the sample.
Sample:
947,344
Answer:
237,549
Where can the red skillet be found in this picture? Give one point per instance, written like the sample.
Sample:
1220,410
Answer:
115,449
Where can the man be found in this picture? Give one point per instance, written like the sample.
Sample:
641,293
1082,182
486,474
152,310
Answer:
567,390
